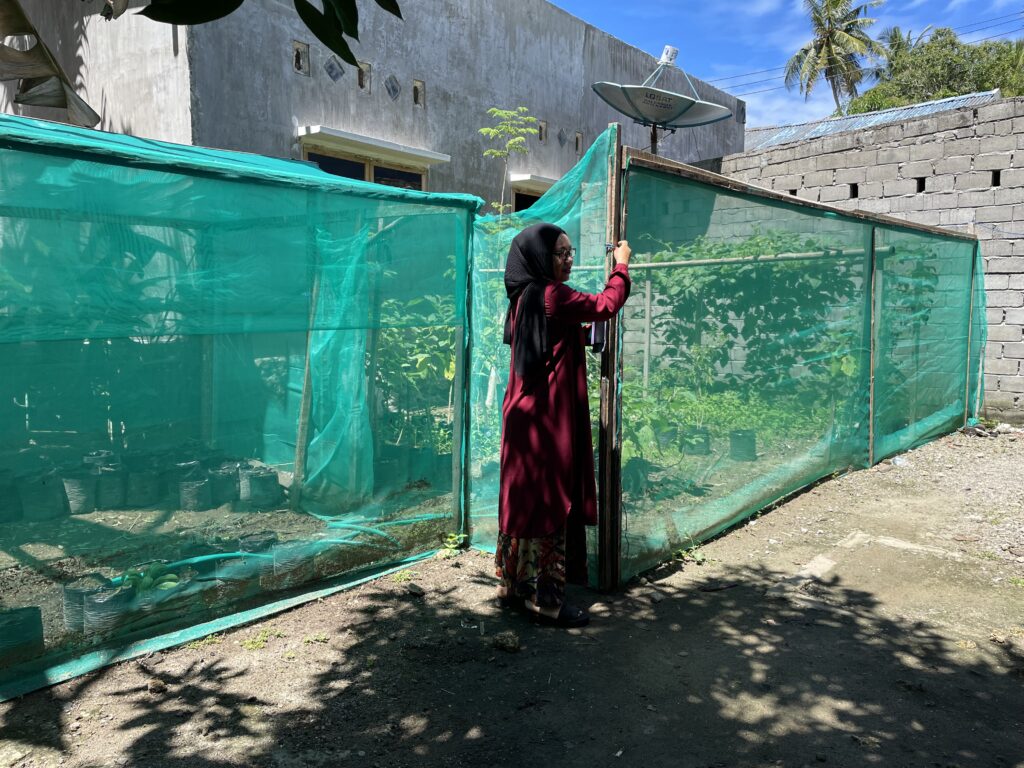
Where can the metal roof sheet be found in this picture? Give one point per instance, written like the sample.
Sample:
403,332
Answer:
762,138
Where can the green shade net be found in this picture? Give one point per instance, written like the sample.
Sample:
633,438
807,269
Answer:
224,377
925,333
578,203
227,377
747,347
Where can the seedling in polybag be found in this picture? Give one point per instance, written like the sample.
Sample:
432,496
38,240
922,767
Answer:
152,577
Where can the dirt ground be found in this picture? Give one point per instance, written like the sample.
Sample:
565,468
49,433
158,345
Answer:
876,620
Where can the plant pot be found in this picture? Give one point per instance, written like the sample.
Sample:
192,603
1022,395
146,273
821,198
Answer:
195,495
161,605
211,458
73,597
743,445
21,635
110,488
80,489
96,459
43,498
106,609
182,470
224,484
667,437
10,501
696,441
258,487
144,488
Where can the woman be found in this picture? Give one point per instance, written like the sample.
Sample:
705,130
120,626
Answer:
547,491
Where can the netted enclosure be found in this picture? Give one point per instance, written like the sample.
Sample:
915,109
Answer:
225,378
769,343
231,382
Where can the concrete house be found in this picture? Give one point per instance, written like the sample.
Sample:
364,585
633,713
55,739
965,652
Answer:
258,81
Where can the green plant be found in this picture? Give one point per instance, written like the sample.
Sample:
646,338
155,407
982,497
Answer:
510,130
403,577
1017,581
691,554
452,544
413,359
259,641
320,637
153,577
943,66
204,642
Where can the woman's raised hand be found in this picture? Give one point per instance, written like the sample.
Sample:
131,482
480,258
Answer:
622,253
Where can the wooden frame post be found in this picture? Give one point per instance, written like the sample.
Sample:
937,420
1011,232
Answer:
314,267
609,444
462,404
970,329
873,310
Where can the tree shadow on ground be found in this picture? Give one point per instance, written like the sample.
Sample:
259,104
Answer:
710,673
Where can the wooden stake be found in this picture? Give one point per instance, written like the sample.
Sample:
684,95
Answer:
873,300
970,328
302,435
609,443
647,332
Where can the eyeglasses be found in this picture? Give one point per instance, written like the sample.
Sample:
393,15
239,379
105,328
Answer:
565,253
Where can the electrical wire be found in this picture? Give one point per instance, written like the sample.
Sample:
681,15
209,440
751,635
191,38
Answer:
1010,18
970,42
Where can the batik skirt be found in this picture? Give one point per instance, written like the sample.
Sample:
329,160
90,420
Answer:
537,569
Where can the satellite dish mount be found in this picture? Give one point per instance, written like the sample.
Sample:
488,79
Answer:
658,108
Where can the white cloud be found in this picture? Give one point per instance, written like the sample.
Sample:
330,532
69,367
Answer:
761,7
784,107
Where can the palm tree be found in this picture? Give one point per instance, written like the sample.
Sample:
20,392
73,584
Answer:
1017,54
895,46
840,42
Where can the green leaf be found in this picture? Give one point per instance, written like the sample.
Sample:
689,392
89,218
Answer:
391,6
327,30
188,12
347,13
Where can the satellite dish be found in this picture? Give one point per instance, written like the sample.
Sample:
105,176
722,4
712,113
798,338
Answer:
659,108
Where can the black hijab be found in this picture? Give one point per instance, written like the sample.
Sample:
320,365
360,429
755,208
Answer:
527,273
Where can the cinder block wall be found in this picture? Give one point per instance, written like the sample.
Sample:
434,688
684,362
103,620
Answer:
970,164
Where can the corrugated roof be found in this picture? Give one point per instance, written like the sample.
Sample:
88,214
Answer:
762,138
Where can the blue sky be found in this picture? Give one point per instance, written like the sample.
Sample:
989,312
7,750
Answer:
718,39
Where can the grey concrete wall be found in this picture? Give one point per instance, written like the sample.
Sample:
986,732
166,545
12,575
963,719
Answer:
472,54
133,72
231,84
955,153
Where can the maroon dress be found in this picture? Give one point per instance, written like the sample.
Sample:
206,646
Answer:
547,491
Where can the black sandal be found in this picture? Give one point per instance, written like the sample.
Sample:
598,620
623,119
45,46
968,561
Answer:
569,617
510,602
